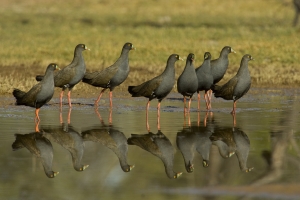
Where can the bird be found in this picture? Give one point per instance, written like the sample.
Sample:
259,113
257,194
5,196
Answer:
160,146
219,66
39,94
242,148
191,139
69,139
187,82
205,79
112,76
297,11
158,87
222,137
38,146
237,86
113,139
70,75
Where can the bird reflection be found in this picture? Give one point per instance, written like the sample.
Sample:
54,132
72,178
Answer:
159,145
194,138
68,138
230,141
40,147
112,139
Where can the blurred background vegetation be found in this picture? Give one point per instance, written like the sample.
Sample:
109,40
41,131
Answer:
37,32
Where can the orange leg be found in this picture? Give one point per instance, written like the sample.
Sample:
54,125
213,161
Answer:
206,97
198,101
233,109
37,118
61,117
61,98
147,110
69,99
110,99
184,105
99,116
110,116
37,126
69,115
99,97
190,101
210,96
158,116
234,120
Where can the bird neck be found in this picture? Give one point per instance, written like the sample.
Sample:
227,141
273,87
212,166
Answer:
206,66
48,77
170,68
78,57
123,59
243,67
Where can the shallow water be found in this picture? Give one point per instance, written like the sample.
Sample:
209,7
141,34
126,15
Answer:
265,138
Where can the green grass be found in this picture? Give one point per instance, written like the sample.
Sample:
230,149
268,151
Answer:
35,33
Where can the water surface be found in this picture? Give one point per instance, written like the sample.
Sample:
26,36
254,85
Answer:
264,140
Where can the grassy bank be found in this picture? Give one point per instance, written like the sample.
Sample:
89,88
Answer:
35,33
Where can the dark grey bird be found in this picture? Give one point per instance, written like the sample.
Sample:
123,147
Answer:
187,81
69,139
205,79
38,146
114,140
191,139
72,74
222,137
237,86
112,76
39,94
158,87
160,146
242,148
219,66
297,11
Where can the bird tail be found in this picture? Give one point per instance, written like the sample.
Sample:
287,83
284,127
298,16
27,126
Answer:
18,94
215,88
39,77
89,76
17,144
130,89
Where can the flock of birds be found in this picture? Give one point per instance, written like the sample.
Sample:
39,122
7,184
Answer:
204,78
190,140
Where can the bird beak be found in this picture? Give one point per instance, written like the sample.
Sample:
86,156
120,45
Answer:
55,173
84,167
232,51
131,167
85,48
133,48
181,58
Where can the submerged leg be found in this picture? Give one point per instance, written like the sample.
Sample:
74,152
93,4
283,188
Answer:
69,115
99,97
37,126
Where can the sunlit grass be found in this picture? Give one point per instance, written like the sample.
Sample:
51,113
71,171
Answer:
35,33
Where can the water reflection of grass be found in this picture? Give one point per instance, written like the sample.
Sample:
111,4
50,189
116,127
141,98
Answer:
33,34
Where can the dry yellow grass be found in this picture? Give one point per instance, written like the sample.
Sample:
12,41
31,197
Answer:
35,33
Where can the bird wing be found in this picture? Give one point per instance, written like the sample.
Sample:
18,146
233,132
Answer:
30,97
101,78
148,88
226,91
64,76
